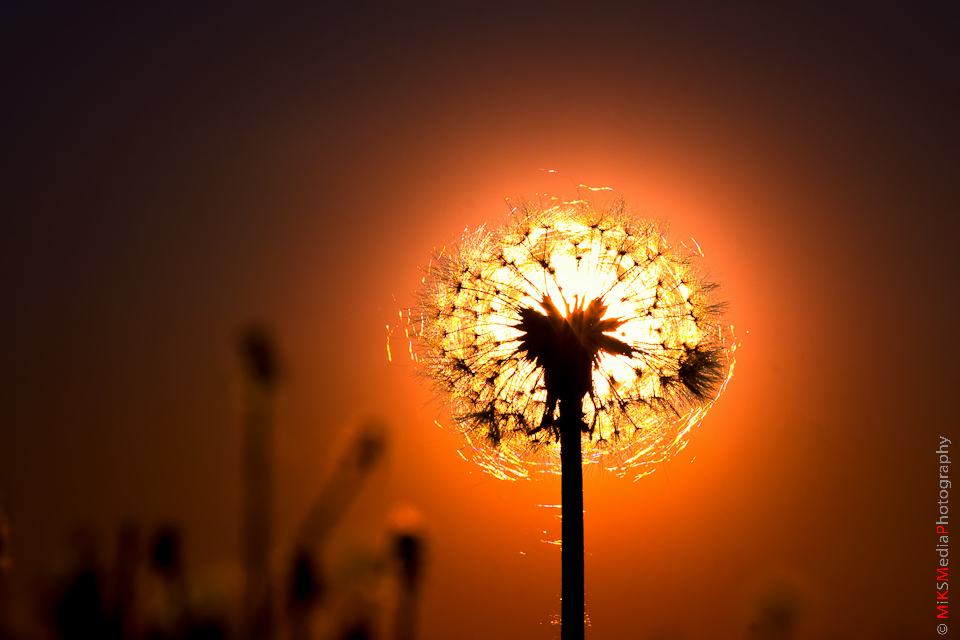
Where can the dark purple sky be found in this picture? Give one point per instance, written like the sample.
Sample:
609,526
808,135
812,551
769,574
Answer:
171,173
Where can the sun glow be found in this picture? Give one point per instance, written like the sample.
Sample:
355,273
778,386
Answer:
660,356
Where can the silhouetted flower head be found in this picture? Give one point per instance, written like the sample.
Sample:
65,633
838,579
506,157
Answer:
567,301
259,355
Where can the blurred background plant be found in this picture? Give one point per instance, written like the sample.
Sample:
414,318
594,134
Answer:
302,589
5,563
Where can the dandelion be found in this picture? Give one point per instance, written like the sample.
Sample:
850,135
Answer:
567,336
568,300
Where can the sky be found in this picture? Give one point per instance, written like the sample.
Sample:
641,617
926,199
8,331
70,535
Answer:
172,173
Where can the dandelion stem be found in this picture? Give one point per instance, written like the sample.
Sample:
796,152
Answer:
572,546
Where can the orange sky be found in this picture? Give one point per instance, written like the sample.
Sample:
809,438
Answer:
172,174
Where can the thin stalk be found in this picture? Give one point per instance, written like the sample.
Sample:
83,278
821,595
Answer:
262,369
258,512
571,526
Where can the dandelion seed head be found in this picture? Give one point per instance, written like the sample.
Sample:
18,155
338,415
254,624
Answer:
502,314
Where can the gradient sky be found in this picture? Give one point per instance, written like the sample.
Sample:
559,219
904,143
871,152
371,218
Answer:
171,173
